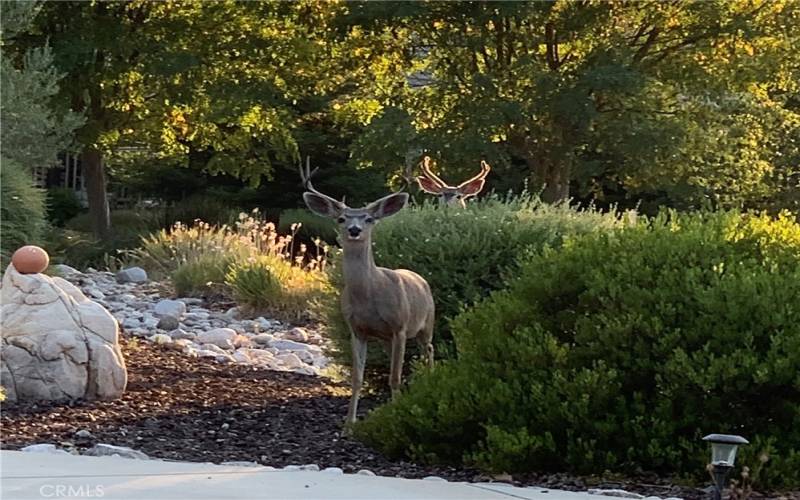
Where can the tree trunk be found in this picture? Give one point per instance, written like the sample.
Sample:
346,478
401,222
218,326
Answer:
94,173
552,179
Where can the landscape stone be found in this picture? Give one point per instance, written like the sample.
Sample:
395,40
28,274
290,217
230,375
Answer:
221,337
132,275
170,308
44,448
182,334
56,343
168,323
288,345
106,450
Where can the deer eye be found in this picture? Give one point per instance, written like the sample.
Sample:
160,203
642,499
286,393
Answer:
340,220
369,220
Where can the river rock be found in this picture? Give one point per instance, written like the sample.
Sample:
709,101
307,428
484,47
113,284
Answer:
132,275
220,337
170,308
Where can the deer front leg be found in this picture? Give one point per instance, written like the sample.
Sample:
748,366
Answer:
398,355
359,347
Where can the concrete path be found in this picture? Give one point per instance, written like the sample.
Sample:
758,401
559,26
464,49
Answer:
40,476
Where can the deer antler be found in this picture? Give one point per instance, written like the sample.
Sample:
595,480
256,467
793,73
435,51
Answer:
485,168
426,169
306,174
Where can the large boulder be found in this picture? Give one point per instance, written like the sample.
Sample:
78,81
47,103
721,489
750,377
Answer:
56,343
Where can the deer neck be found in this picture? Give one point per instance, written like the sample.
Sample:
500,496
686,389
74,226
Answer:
358,267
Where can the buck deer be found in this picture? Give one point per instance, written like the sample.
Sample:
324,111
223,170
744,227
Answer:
451,195
391,305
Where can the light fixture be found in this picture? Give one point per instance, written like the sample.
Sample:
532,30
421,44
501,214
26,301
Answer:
723,456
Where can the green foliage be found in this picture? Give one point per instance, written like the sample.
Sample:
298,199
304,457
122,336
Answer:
307,225
31,132
620,351
464,253
250,261
274,285
201,276
62,205
689,101
22,211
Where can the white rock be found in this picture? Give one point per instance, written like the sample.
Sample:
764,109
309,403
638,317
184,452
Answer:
56,343
292,468
150,322
131,323
434,478
288,345
290,361
297,334
103,450
332,470
181,334
241,356
221,337
232,313
213,348
44,448
132,275
311,467
263,339
160,338
236,463
170,308
84,434
365,472
65,270
614,493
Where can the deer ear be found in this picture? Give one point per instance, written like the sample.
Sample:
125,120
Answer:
322,205
471,188
428,185
388,205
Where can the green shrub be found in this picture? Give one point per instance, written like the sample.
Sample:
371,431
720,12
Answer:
250,261
62,205
22,209
273,285
620,351
463,254
201,276
308,226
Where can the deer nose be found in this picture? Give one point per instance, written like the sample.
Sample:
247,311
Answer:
354,231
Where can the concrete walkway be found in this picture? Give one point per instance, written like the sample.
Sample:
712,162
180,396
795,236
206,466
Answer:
39,475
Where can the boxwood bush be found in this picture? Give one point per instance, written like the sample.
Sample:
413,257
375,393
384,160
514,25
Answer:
463,254
619,352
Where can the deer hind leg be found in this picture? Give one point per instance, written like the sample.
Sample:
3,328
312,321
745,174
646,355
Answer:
359,347
398,355
425,341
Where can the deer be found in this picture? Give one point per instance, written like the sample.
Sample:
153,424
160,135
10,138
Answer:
451,195
391,305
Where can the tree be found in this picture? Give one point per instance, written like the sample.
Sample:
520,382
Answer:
31,131
225,87
677,96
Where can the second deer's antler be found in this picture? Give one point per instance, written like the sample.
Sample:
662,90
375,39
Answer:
485,169
426,169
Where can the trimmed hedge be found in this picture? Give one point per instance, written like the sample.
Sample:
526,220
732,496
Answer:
619,352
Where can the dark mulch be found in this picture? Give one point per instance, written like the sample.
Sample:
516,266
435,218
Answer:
197,410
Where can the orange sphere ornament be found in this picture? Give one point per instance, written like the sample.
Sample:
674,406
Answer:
30,259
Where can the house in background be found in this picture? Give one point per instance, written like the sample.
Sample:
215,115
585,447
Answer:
67,173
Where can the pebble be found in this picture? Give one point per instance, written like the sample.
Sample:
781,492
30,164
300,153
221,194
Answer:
333,470
185,325
365,472
168,323
84,434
